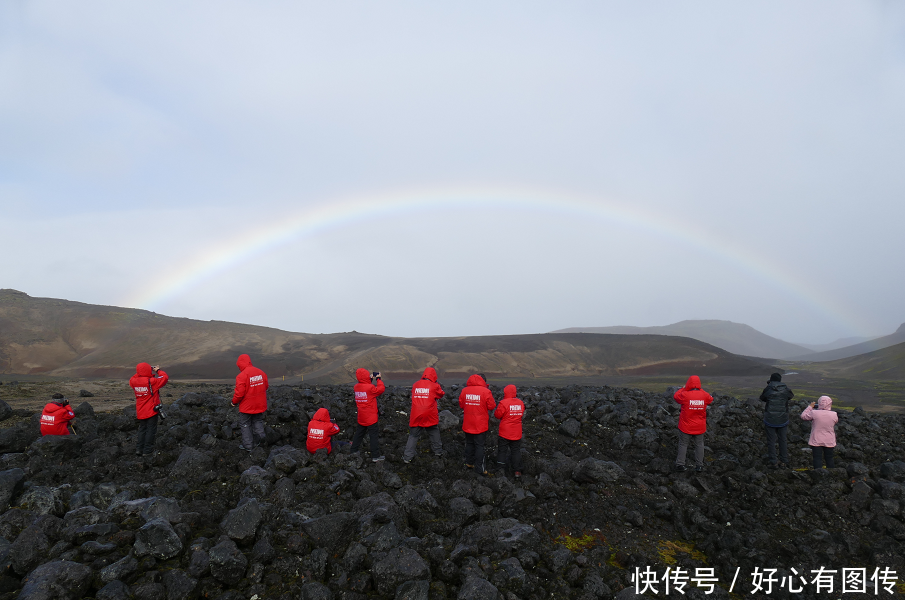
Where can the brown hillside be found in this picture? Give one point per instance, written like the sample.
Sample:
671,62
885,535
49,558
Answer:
60,337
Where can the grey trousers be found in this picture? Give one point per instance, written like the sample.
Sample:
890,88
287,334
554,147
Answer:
251,426
433,434
684,439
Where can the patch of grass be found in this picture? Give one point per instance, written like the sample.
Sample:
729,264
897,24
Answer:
580,543
667,550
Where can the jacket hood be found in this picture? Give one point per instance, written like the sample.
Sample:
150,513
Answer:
322,414
824,403
243,362
430,374
476,380
509,391
693,383
143,370
363,376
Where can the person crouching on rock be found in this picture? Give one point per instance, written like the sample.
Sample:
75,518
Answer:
366,402
320,429
146,384
476,401
57,416
692,421
776,398
250,396
509,446
425,415
823,433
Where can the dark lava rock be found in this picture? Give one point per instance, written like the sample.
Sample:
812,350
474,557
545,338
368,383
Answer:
28,551
448,420
191,464
115,590
227,562
158,539
179,585
413,590
85,394
41,500
120,569
400,565
592,470
331,531
57,580
570,427
5,411
10,483
241,523
476,588
316,591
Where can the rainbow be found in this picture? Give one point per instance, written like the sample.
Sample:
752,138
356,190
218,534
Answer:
326,216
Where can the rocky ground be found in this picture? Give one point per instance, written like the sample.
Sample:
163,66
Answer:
82,516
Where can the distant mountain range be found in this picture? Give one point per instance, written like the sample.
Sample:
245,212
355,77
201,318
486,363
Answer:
840,343
735,337
60,337
857,349
886,363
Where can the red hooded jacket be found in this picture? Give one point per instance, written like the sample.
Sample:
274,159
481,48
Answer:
147,390
694,401
55,419
510,412
320,430
251,387
366,397
425,394
476,399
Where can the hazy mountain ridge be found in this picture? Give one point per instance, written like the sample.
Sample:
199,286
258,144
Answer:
873,345
59,337
737,338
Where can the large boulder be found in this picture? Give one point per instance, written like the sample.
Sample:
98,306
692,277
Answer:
6,411
476,588
57,580
29,549
448,420
158,539
398,566
241,523
331,531
593,470
191,464
179,585
41,500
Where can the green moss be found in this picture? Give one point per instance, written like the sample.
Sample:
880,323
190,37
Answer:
668,550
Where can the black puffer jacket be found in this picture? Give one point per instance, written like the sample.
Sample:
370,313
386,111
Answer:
776,410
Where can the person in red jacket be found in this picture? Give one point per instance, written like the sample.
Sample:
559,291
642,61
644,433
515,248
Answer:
509,445
320,429
146,384
692,421
476,401
425,415
366,402
250,396
56,416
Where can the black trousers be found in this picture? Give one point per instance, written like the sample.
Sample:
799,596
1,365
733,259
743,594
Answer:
359,435
147,431
474,450
775,434
821,454
509,454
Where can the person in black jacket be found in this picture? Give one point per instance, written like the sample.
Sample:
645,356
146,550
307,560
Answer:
776,398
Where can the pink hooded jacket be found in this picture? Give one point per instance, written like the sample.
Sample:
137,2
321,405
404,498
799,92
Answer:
822,423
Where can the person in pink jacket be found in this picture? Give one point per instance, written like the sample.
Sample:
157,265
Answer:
823,434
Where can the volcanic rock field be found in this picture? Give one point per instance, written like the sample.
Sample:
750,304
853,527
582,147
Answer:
82,516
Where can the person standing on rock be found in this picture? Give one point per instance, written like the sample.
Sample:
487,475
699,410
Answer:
823,433
366,395
425,415
476,401
250,396
146,384
510,412
320,431
56,416
776,398
692,421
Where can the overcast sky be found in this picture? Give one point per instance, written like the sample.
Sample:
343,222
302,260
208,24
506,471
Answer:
420,169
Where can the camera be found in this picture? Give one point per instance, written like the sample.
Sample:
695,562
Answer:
375,374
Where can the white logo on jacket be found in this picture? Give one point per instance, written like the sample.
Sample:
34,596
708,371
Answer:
472,398
48,418
256,380
696,404
141,390
516,409
316,433
422,391
361,396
